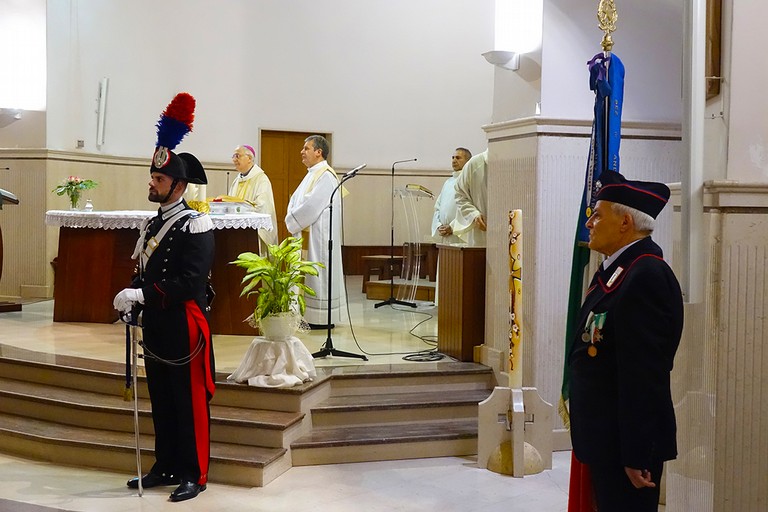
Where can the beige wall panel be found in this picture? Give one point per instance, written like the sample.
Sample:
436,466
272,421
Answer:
30,245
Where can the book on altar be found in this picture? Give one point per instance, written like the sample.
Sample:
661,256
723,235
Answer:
230,204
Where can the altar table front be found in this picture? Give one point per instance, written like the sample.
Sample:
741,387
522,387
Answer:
94,263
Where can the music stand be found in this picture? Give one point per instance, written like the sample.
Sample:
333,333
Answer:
412,252
327,348
392,299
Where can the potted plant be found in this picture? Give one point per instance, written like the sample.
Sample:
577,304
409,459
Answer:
281,276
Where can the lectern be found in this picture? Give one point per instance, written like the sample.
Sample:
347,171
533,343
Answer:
461,300
6,198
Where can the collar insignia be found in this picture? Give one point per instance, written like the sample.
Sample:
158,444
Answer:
615,276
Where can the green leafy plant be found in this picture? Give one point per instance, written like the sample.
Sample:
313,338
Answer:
281,275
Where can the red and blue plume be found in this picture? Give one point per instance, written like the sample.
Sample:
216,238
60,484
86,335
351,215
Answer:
176,121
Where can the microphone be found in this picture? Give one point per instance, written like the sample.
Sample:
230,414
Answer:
354,171
403,161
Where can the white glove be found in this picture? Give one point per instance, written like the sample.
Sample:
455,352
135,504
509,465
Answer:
125,300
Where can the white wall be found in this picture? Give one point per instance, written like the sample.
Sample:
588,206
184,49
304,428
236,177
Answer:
27,132
648,41
517,92
22,54
390,80
748,137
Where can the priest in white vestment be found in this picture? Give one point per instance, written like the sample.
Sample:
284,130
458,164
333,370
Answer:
307,217
472,201
252,185
445,205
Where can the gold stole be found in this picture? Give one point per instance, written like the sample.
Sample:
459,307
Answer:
316,176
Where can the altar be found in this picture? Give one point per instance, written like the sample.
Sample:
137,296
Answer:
94,263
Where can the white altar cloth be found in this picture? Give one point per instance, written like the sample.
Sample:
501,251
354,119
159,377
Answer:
275,364
131,219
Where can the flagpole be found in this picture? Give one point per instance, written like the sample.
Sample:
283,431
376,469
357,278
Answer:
580,493
606,21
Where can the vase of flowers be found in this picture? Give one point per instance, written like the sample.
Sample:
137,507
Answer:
73,187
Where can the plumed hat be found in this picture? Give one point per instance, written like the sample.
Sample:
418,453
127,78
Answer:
176,122
647,196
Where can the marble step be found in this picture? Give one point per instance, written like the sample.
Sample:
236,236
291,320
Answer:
109,378
386,442
67,372
398,407
58,443
111,412
440,376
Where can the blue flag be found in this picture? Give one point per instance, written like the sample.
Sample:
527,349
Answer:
606,79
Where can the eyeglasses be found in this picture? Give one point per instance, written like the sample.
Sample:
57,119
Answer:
237,156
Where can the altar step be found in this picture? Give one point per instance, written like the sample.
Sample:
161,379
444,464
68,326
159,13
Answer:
76,416
406,414
58,443
71,411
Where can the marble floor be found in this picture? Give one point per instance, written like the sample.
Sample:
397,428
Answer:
386,335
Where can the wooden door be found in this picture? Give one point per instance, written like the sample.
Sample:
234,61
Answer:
281,160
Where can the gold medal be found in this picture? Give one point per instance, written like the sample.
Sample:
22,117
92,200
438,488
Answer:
592,351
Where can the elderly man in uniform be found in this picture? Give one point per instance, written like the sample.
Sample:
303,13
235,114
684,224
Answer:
308,217
445,205
630,323
175,251
252,184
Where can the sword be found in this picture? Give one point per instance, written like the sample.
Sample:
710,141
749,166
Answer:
135,361
128,391
131,377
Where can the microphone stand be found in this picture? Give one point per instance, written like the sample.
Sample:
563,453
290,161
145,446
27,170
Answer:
392,299
327,348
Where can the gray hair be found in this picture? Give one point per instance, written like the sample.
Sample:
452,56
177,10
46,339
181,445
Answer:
466,152
643,221
320,142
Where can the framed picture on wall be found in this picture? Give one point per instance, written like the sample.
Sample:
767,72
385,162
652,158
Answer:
712,65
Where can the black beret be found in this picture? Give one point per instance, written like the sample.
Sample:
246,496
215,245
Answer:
647,196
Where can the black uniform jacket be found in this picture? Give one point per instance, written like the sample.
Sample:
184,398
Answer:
620,402
176,273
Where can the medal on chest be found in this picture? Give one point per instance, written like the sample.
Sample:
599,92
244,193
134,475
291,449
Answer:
593,332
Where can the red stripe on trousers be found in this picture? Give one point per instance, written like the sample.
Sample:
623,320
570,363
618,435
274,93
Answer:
580,493
201,384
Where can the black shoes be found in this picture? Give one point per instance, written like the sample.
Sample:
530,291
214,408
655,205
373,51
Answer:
152,480
184,491
187,491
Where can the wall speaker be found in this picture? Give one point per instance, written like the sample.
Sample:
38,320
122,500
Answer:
101,111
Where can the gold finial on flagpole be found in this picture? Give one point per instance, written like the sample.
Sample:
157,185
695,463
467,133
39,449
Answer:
606,17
